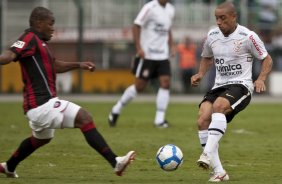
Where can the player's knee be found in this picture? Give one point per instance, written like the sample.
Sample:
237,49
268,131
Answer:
139,89
165,84
87,118
219,107
203,123
83,117
140,86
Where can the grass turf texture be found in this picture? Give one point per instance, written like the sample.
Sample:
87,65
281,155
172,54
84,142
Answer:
250,150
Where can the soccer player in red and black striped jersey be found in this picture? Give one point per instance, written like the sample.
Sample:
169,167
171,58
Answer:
44,110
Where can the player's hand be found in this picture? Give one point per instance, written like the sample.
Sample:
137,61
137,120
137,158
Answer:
140,53
87,65
195,79
259,86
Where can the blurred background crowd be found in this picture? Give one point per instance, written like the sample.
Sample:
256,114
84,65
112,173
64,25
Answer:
100,31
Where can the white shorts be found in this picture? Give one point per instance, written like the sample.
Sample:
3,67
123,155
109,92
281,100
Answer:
52,115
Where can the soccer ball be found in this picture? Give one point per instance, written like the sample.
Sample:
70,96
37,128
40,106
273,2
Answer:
169,157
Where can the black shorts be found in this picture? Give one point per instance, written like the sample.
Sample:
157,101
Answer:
149,69
238,96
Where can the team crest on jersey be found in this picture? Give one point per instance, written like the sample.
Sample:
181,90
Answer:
237,46
57,104
18,44
145,73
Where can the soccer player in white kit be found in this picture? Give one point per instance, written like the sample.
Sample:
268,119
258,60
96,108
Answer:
153,41
231,48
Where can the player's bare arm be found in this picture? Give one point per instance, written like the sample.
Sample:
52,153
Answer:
205,65
62,66
171,44
265,70
136,36
6,57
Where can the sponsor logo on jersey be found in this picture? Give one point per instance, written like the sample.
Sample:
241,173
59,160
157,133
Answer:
160,29
244,34
214,33
228,70
228,82
156,51
18,44
256,45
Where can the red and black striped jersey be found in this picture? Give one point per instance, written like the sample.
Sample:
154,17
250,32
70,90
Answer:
37,67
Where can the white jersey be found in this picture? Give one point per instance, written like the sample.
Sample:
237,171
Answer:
155,22
233,55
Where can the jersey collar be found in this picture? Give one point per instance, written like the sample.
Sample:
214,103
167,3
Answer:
40,35
233,33
160,4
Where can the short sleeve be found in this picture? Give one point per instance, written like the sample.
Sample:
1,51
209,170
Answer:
257,47
206,51
143,16
24,46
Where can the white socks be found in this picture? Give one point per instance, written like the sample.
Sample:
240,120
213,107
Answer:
127,96
212,137
203,136
216,130
215,162
161,103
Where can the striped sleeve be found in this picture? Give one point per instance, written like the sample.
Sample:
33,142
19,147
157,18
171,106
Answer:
24,46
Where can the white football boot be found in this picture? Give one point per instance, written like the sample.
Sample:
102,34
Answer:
204,161
219,177
4,170
123,162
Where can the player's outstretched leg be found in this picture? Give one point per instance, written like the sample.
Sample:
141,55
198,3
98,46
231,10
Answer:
96,141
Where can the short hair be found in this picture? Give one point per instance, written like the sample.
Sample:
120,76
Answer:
39,14
229,6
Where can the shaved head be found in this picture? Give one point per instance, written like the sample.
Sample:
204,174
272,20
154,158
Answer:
228,6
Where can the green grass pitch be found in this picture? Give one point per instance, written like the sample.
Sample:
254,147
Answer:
251,149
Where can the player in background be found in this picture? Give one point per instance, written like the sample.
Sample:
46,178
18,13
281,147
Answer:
154,44
44,110
231,48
